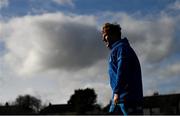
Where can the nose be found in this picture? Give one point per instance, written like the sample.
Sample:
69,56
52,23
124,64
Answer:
104,37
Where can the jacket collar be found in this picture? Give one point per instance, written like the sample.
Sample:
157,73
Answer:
121,41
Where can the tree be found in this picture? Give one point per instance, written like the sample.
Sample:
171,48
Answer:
83,100
28,102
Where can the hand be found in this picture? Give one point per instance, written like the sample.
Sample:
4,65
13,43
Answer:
116,98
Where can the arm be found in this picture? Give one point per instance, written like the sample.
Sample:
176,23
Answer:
121,69
120,76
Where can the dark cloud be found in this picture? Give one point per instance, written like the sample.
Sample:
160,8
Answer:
71,45
54,41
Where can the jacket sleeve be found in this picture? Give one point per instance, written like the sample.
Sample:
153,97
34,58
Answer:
121,61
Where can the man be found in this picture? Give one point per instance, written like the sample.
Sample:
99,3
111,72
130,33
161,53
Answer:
124,73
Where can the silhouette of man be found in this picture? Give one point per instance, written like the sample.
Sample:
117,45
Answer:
124,73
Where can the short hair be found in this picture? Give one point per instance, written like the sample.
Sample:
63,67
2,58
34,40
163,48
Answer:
112,28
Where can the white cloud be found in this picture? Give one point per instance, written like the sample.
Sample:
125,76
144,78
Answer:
4,3
29,91
51,41
175,5
64,2
92,77
171,70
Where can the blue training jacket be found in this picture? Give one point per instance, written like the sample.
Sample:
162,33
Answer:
125,72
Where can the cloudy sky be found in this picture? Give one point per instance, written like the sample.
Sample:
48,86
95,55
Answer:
49,48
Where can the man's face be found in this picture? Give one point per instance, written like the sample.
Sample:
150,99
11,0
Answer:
106,37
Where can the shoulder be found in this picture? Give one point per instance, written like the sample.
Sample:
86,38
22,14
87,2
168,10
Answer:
120,48
118,51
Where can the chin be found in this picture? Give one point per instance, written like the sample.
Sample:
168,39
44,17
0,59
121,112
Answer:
107,45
